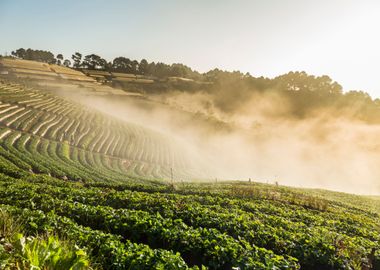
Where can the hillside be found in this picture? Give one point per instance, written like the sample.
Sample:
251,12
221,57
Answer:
101,190
41,123
189,135
53,77
116,188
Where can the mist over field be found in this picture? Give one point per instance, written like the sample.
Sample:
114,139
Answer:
259,139
296,129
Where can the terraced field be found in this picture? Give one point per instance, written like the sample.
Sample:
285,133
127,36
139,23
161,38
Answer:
69,170
52,132
37,70
54,77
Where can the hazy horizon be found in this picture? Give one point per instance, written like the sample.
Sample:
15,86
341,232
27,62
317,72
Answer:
270,38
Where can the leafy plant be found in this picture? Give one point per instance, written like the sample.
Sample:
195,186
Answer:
47,253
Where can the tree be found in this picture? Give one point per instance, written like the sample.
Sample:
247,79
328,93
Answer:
122,64
77,59
35,55
162,70
67,63
134,66
93,61
59,58
40,55
301,81
357,96
143,66
20,53
151,69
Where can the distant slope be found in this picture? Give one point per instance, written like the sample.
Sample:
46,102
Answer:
54,77
37,70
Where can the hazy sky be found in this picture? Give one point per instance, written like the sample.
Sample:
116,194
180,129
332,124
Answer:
340,38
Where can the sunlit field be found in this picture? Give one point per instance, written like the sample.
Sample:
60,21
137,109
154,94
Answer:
189,135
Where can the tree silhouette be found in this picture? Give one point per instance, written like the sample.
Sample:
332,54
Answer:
67,63
143,66
20,53
93,61
122,64
35,55
59,58
77,59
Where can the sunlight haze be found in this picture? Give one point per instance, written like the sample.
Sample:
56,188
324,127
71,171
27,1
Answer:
265,38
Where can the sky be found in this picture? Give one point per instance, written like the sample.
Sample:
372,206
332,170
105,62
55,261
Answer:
339,38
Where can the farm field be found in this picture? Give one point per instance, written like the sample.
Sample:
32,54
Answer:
104,185
40,123
54,77
189,135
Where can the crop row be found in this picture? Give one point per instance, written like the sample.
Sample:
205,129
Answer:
198,246
108,250
59,120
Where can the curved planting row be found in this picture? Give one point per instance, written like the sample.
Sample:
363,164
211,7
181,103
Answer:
198,246
44,115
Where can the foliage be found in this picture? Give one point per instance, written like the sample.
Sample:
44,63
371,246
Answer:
42,252
36,55
49,253
61,182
